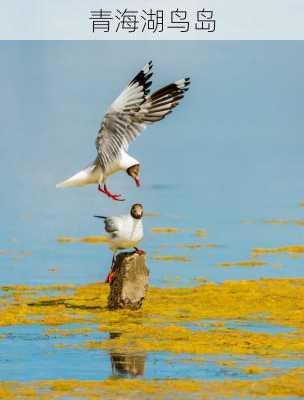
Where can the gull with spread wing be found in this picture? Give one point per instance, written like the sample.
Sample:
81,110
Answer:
128,115
125,231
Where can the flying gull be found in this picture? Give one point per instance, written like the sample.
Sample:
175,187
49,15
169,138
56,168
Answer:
126,118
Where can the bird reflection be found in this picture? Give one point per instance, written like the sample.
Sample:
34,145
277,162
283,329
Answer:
127,364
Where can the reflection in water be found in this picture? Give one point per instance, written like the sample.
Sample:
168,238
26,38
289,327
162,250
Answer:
127,364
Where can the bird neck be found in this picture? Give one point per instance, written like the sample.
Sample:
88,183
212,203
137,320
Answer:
127,161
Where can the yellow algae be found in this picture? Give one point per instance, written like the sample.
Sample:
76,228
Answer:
245,263
160,324
255,369
192,245
66,239
200,280
68,332
87,239
293,249
166,230
276,221
218,324
281,299
280,385
301,204
227,363
299,222
191,360
24,290
211,245
181,259
109,389
200,233
177,339
94,239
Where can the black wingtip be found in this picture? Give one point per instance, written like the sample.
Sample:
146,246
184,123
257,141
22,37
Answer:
99,216
150,66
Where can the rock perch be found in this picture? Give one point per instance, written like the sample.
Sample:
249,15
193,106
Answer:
130,283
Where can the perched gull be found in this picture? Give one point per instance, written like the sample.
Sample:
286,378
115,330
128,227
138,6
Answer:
125,231
130,113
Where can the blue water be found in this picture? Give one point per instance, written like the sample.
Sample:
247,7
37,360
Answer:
81,263
231,152
251,326
30,353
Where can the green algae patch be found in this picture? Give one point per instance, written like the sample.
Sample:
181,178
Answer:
174,320
245,263
281,385
180,259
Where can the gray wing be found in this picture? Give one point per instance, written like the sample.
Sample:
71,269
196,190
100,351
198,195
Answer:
111,225
132,111
111,137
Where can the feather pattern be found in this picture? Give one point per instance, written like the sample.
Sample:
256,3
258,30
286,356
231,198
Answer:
132,111
124,231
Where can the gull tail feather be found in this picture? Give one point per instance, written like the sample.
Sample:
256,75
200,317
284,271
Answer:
85,177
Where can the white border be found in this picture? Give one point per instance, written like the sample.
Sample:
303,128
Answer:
69,19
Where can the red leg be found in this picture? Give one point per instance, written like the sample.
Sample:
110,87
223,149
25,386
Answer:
100,189
105,190
111,275
139,251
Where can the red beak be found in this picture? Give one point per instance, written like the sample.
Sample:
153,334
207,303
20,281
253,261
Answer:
137,181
